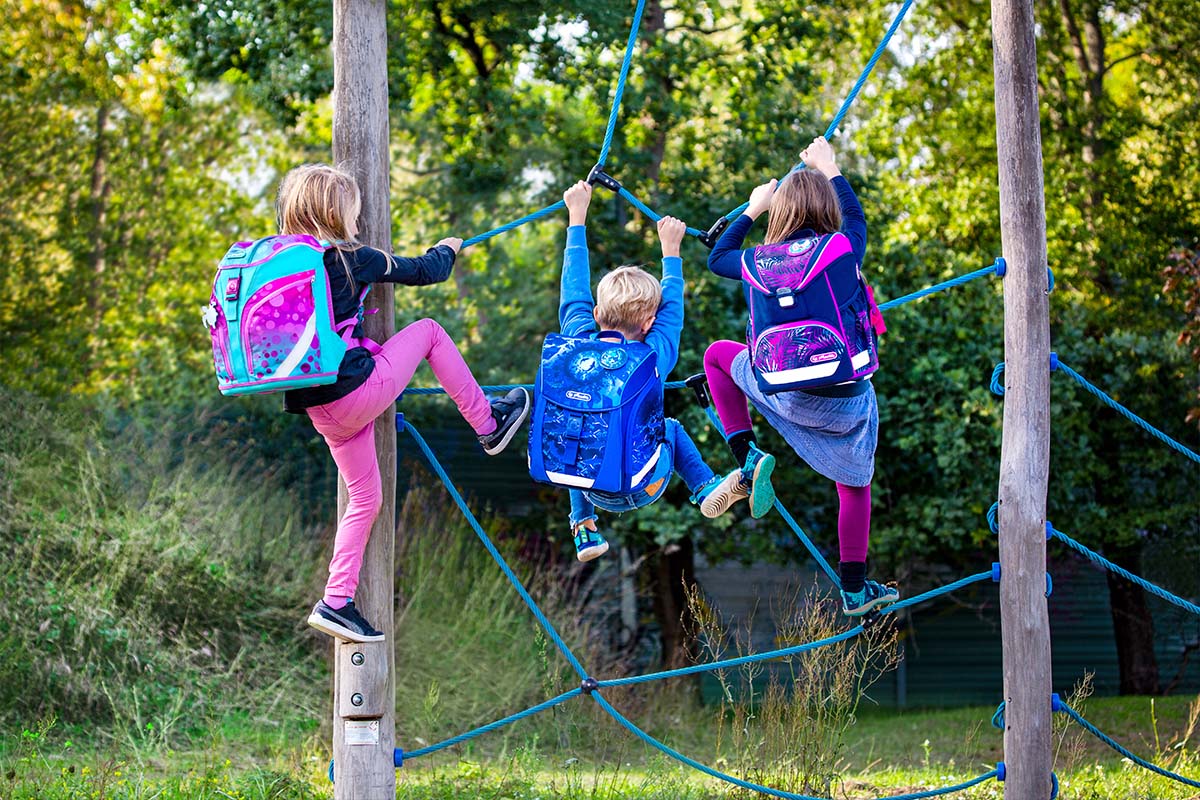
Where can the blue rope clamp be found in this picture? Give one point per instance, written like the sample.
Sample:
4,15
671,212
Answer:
709,238
698,383
399,422
589,685
598,175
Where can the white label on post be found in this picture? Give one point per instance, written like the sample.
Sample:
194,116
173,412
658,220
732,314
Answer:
362,731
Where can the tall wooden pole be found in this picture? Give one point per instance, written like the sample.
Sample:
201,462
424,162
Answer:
1025,453
364,691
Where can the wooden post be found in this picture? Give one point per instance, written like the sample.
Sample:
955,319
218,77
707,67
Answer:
364,689
1025,453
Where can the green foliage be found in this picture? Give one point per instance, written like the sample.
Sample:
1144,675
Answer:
151,588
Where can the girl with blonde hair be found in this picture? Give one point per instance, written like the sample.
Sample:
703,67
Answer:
324,202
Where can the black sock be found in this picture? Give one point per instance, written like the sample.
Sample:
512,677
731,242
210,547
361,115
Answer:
854,575
740,444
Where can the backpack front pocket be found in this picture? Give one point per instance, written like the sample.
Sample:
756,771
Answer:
279,332
795,354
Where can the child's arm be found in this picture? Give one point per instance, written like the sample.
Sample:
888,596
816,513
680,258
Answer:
575,302
375,266
726,256
819,156
664,334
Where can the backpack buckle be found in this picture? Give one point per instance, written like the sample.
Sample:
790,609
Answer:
232,288
785,296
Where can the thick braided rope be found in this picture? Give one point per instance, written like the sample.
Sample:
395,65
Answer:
516,223
648,211
1100,560
1056,364
1141,762
492,726
614,111
546,625
858,85
696,765
941,287
1129,415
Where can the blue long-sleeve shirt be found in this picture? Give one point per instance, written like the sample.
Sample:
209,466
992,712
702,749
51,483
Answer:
576,317
576,305
726,256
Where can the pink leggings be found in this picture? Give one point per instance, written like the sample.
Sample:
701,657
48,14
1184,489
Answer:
854,509
348,425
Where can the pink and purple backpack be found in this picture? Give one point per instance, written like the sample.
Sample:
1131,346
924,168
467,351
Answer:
271,317
813,320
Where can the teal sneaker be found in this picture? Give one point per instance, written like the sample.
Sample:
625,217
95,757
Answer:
756,477
873,595
589,544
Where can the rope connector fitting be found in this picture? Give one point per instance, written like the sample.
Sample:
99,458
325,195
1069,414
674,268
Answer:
589,685
870,619
709,238
399,422
698,383
598,175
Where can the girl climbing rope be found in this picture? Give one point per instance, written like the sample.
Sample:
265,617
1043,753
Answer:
810,349
323,202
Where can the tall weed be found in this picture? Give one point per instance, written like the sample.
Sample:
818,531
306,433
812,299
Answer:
783,723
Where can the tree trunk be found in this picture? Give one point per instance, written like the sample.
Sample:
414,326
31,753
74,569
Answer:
1133,626
674,568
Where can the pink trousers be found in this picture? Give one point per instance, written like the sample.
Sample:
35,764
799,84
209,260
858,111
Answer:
348,425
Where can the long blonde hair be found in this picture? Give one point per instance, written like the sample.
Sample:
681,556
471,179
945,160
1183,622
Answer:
320,201
804,199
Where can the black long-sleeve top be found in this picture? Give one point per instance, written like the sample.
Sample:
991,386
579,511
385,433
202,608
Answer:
367,265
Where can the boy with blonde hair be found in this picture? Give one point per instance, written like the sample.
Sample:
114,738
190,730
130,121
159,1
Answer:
631,303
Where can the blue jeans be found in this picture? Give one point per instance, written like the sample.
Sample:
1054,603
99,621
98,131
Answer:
679,455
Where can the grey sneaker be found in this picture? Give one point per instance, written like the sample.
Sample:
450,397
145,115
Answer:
344,623
509,412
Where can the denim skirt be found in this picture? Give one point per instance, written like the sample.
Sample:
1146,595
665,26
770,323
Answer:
836,436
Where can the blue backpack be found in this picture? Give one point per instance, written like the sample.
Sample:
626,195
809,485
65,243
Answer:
597,421
813,319
271,317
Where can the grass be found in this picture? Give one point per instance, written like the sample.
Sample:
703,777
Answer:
887,754
154,649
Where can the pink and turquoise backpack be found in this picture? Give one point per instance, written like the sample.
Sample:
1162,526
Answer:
271,317
813,320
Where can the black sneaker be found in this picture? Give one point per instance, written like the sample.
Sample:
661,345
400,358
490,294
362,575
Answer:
343,623
509,412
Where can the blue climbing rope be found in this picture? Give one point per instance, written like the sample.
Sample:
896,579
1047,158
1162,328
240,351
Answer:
694,764
1129,415
1100,560
620,91
991,269
648,211
858,85
547,626
516,223
493,726
1141,762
